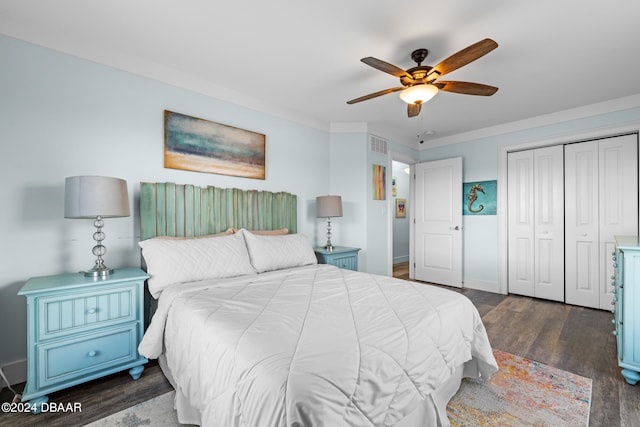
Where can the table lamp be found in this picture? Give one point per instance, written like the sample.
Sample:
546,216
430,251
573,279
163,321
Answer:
96,197
328,207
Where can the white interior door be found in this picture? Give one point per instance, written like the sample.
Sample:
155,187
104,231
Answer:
438,222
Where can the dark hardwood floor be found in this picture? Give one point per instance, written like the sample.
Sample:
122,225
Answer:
98,399
575,339
572,338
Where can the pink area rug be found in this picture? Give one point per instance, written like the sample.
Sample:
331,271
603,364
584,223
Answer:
522,393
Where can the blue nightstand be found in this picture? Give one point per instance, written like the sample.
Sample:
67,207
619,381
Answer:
340,256
81,328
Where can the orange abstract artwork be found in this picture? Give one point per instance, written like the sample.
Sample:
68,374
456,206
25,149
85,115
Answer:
379,182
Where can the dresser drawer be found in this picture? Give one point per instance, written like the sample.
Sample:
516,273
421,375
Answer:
64,314
64,360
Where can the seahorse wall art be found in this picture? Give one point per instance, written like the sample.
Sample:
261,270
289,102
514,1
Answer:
479,198
473,196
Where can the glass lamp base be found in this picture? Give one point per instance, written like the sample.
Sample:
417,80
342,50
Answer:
99,250
98,272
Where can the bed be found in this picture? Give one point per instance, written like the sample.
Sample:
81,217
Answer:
251,331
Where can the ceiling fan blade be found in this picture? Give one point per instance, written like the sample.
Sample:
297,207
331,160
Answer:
386,67
375,94
413,109
462,58
466,88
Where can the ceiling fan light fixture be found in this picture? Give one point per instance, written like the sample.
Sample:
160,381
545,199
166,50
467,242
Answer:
418,94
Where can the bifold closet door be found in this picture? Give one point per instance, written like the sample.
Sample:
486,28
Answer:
582,230
601,201
536,223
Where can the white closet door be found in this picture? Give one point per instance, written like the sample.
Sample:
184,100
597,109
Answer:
536,223
521,250
618,212
582,224
601,192
549,223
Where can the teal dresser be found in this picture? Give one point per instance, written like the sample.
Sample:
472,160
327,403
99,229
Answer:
340,256
626,312
81,328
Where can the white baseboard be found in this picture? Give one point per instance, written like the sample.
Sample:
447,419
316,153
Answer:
400,259
16,372
482,285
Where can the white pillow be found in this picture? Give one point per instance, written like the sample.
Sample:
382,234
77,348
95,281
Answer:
172,261
275,252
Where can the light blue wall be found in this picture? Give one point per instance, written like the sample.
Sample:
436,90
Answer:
62,116
366,222
347,177
378,221
480,163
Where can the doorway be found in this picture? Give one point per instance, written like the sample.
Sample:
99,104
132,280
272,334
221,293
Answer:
400,218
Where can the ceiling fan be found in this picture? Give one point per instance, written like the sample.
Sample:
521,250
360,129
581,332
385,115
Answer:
420,83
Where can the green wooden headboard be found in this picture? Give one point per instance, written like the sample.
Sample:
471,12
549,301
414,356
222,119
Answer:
168,209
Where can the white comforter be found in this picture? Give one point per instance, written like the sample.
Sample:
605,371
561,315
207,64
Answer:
313,346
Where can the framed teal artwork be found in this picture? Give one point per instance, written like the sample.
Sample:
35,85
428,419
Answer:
200,145
479,197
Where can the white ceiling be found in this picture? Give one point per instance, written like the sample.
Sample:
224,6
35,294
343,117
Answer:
301,60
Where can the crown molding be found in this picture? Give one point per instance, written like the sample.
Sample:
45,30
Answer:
610,106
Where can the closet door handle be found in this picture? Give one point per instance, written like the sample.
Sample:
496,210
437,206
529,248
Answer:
457,227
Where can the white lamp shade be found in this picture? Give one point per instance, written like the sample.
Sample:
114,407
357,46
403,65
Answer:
418,93
93,196
328,206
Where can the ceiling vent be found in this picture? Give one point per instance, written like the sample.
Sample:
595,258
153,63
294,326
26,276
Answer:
378,145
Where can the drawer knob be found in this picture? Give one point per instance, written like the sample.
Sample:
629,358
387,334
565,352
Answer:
614,333
92,353
613,321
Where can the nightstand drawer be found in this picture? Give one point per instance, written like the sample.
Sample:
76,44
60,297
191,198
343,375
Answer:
82,311
63,360
346,262
340,256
